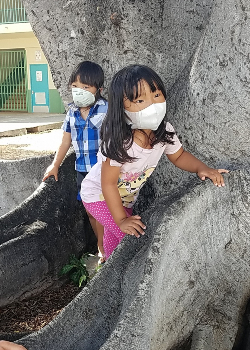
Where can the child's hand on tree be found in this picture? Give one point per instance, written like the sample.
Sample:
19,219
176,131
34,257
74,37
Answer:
132,226
52,170
213,174
186,161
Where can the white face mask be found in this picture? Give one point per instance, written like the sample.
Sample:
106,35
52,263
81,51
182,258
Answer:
148,118
82,98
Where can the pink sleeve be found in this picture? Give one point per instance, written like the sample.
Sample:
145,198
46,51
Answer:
171,149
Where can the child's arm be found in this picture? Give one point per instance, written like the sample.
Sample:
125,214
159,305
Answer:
131,225
60,154
5,345
186,161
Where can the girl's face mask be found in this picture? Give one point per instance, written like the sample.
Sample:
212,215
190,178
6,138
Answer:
82,98
148,118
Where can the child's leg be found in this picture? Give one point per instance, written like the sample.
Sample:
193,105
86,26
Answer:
112,233
110,242
92,221
98,230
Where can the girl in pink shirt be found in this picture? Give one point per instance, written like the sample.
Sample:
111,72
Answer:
135,134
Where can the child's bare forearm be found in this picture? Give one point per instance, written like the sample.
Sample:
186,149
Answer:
130,225
109,178
114,203
186,161
5,345
52,169
62,149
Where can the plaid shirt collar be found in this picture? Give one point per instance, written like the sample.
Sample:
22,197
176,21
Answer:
75,108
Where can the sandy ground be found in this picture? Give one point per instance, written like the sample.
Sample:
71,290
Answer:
30,145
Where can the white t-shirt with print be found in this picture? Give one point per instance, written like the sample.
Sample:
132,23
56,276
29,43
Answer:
132,175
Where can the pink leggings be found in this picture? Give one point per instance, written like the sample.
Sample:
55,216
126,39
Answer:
112,233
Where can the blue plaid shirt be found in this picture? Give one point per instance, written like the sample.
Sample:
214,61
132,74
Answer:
85,134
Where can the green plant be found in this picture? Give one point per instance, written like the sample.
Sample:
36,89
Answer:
76,268
98,267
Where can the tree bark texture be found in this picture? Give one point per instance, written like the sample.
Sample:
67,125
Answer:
189,276
38,236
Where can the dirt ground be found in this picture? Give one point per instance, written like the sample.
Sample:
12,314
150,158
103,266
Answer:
34,313
30,145
15,152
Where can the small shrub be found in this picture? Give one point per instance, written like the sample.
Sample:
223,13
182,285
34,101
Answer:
76,269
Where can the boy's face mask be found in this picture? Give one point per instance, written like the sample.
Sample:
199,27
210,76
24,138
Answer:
148,118
82,98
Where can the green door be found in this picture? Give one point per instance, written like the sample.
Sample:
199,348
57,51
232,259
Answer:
39,88
13,80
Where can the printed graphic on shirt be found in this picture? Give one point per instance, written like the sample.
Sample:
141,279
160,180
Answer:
130,184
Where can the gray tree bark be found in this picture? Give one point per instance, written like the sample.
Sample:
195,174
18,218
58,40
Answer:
189,276
39,235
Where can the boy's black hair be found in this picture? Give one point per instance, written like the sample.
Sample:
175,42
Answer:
116,134
88,73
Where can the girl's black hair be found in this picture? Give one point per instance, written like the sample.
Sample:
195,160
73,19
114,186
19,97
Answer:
88,73
116,134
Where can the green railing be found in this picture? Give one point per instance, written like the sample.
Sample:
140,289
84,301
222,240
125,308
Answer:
13,80
12,11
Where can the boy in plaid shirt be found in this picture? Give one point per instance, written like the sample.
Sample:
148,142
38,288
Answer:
81,127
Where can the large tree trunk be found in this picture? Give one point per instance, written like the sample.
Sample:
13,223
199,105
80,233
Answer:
189,276
162,34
